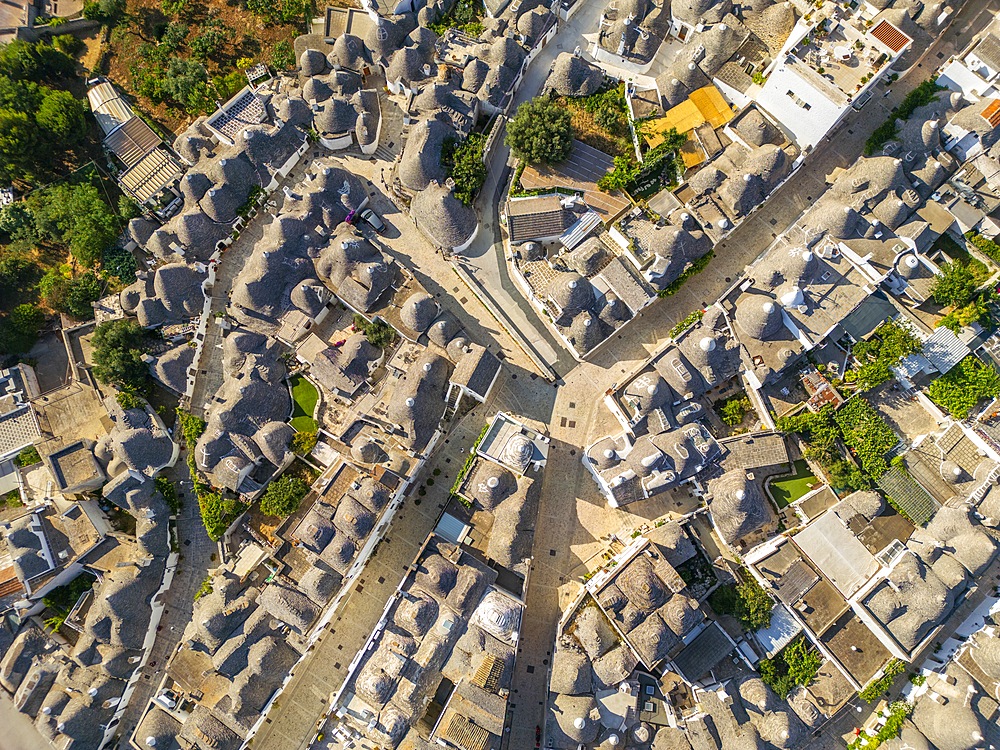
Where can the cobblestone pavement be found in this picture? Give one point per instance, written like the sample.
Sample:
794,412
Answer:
198,555
292,723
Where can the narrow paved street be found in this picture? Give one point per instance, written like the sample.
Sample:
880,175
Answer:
198,554
553,580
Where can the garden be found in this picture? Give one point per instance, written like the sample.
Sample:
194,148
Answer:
925,93
305,397
963,387
179,56
867,435
734,410
785,490
601,120
747,601
796,664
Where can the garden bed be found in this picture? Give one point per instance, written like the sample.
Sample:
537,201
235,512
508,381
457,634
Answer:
601,120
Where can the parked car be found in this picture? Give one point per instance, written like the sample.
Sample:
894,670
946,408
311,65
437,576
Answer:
373,220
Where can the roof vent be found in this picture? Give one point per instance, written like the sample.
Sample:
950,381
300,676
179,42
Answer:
151,742
428,367
740,494
588,322
747,177
579,722
92,692
410,402
608,453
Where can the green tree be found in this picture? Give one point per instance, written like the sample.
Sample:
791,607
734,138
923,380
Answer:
18,140
955,285
15,275
17,221
303,442
964,386
28,457
844,475
186,82
883,350
77,216
106,11
464,164
283,496
68,44
27,319
540,132
19,96
61,116
282,55
34,61
118,349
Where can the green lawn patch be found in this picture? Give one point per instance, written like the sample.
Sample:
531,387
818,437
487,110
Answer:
786,490
305,396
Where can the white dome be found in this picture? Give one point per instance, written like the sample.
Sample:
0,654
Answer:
792,298
151,742
608,453
492,482
911,261
410,402
707,344
579,722
652,388
740,494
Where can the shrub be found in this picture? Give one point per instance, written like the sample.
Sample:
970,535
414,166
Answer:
166,488
283,496
876,688
923,94
797,664
304,442
191,428
689,321
205,589
129,400
28,457
540,132
217,513
118,349
463,162
989,247
964,386
282,55
867,434
68,44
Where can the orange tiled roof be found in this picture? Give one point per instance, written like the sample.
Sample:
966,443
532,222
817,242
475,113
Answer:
992,113
890,36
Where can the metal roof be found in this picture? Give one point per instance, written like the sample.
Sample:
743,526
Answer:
108,107
131,141
147,177
943,349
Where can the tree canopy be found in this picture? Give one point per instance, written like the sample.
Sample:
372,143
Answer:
540,132
76,216
955,285
118,349
283,496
